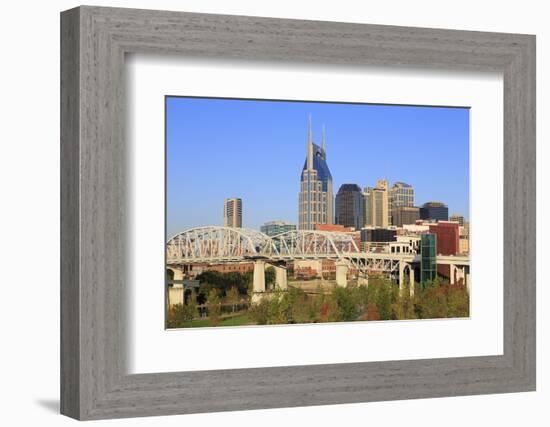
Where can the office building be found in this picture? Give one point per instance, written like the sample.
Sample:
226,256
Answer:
233,213
316,200
378,235
376,205
272,228
334,227
457,218
349,208
355,234
402,215
464,245
447,237
434,211
464,236
401,194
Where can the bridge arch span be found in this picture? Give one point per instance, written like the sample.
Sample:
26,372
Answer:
310,243
218,244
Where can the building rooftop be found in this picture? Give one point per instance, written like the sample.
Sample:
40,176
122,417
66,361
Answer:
434,205
278,222
349,187
402,184
320,165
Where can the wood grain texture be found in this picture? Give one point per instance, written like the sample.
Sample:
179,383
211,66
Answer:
70,220
94,382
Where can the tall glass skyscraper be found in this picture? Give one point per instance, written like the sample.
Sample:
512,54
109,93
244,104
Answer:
349,209
316,200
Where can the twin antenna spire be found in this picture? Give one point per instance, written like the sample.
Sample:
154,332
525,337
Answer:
310,145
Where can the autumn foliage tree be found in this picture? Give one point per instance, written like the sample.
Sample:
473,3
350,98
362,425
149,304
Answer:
233,297
214,307
372,312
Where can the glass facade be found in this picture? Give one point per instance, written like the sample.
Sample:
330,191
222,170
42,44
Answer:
316,197
273,228
428,264
434,211
378,235
349,206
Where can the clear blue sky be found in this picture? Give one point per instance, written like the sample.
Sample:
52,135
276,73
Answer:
255,150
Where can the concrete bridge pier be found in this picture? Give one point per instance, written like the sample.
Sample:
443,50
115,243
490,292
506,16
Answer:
463,272
175,293
401,278
258,282
402,267
363,280
411,281
452,272
178,273
341,273
280,277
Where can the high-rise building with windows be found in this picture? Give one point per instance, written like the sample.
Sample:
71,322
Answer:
457,218
349,210
402,215
315,200
272,228
376,205
233,213
401,194
435,211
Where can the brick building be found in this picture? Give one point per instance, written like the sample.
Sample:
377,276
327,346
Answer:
448,242
448,237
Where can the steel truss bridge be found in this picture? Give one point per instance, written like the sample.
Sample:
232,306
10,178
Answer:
219,245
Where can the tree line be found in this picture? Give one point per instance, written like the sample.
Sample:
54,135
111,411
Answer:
380,300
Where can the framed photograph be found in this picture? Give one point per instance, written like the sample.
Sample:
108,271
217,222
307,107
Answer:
277,213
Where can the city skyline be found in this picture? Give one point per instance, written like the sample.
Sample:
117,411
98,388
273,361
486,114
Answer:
254,150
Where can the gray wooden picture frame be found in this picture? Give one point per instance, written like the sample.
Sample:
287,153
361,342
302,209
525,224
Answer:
94,41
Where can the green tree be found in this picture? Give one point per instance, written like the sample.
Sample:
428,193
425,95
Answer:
269,276
296,301
372,312
345,301
178,316
214,308
458,301
333,311
384,298
233,297
211,279
404,308
191,306
432,302
259,312
278,308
